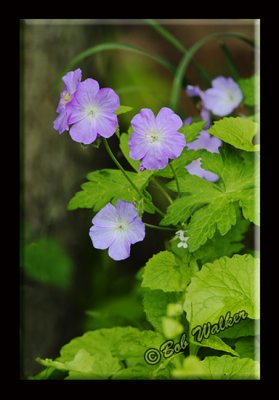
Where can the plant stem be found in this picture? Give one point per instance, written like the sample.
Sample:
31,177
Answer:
162,190
114,159
162,228
179,46
176,180
117,163
186,59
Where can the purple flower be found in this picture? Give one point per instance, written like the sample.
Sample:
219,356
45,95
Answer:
91,112
224,96
192,91
116,228
155,140
205,141
194,168
71,82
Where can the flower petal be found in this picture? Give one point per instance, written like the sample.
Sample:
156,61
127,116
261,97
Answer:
174,144
136,231
71,80
224,96
107,217
86,92
194,168
192,91
138,146
205,114
106,124
144,121
120,248
217,102
84,131
155,158
167,121
126,210
107,100
60,123
76,112
102,238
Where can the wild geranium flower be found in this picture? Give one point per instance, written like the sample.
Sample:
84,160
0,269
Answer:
71,82
221,99
194,168
205,141
116,228
91,112
224,96
155,140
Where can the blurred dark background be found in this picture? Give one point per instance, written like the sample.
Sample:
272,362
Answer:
63,274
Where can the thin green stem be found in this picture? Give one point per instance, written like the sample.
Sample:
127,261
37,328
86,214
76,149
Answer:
176,180
117,163
179,46
117,46
161,228
162,190
186,59
166,34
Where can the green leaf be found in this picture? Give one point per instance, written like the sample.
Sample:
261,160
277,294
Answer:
219,214
218,368
103,353
246,327
220,246
214,342
87,366
226,285
123,110
163,272
227,367
124,139
108,185
239,132
248,88
248,347
155,304
192,369
213,206
46,261
201,193
191,131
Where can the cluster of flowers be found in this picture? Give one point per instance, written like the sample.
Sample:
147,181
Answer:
88,112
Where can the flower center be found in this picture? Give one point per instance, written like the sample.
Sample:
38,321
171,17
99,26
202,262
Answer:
93,111
66,97
121,226
154,137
